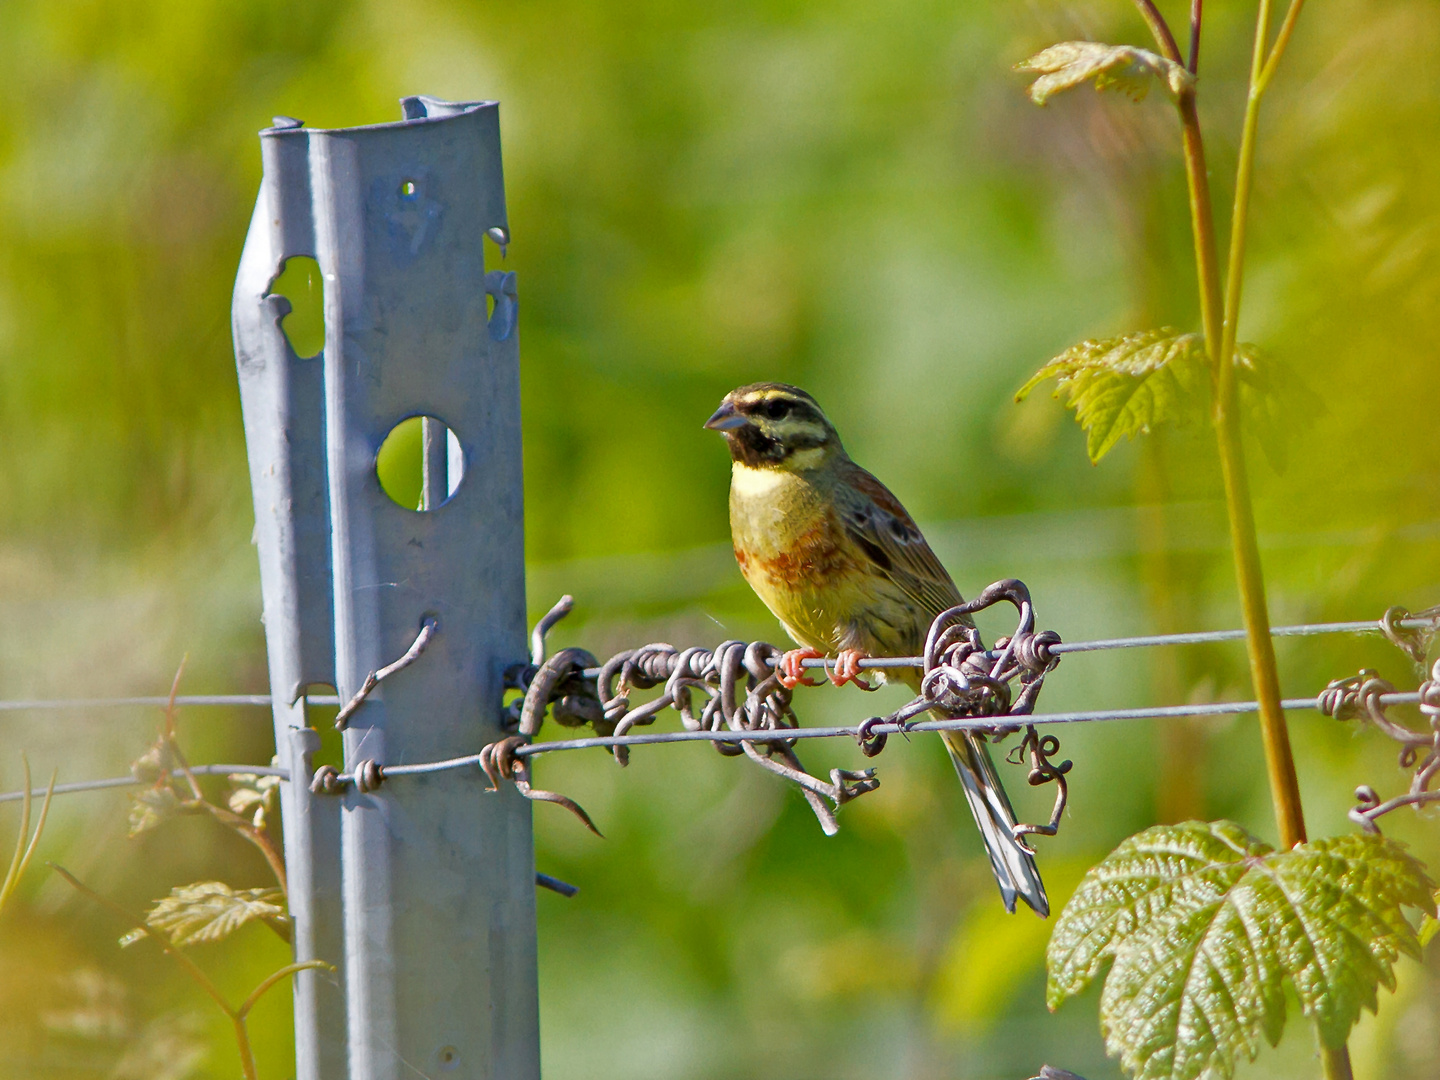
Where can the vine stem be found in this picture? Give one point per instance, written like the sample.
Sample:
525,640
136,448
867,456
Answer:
1335,1064
1221,321
1279,760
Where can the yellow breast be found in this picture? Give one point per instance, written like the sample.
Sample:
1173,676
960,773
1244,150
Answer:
794,554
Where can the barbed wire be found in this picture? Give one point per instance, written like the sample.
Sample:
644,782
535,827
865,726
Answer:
1157,712
1367,696
747,710
1408,624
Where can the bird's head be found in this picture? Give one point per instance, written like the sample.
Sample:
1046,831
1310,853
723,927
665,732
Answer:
775,426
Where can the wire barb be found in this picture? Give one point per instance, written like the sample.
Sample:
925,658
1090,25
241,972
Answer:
375,678
1039,749
1367,696
498,761
1411,639
737,687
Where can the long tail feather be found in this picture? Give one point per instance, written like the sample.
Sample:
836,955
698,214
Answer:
1014,867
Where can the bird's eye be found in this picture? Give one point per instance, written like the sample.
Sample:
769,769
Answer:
777,409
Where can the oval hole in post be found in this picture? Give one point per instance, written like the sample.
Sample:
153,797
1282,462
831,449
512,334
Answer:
300,282
420,463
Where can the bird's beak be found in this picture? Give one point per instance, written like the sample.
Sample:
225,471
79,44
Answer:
726,418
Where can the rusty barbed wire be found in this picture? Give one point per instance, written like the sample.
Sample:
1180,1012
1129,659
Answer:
472,761
1411,633
375,678
1424,626
747,712
1367,696
735,687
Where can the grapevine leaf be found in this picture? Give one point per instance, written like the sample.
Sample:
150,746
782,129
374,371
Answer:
1123,67
1124,386
209,911
1206,925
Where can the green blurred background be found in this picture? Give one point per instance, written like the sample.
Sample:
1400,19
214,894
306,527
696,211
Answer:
854,197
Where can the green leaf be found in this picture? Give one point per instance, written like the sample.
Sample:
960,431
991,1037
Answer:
209,911
1123,67
1205,926
1123,386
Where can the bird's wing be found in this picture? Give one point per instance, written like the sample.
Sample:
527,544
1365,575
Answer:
874,519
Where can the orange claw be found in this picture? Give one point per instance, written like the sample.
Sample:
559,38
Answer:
791,673
847,669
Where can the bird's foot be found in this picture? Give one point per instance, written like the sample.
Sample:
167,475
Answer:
847,669
789,669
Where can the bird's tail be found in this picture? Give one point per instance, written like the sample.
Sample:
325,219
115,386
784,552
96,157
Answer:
1014,867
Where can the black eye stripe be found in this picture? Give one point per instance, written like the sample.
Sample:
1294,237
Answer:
777,408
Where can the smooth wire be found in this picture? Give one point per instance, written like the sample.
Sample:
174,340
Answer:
258,700
1223,708
130,781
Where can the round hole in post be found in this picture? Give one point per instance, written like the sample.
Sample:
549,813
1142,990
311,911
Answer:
448,1058
420,464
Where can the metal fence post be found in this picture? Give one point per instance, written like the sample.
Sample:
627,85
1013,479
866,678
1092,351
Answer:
439,966
282,399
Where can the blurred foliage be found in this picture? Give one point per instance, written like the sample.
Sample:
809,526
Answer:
858,199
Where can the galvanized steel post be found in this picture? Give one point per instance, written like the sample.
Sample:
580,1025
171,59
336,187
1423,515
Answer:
420,892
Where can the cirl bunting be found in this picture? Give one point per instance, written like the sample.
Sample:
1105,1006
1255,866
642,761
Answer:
839,562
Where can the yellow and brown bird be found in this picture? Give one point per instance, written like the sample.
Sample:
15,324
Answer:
836,558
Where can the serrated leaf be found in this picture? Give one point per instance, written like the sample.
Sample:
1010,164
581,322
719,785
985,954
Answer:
1205,926
1122,67
211,910
1123,386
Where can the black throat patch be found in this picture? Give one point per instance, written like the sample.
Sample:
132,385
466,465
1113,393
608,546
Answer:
750,446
